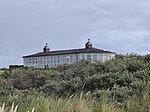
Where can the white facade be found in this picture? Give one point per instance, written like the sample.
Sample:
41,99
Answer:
52,60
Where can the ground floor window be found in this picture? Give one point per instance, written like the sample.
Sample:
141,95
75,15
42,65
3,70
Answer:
83,57
89,57
94,58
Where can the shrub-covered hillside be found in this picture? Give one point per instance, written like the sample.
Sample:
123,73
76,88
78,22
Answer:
121,79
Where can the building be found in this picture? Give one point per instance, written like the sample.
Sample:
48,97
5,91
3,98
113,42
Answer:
49,58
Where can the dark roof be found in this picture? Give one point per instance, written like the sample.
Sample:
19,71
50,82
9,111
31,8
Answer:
71,51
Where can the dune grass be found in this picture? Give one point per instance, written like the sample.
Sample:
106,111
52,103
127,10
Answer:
37,102
12,109
79,104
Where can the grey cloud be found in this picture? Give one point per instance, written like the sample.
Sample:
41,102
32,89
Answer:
121,41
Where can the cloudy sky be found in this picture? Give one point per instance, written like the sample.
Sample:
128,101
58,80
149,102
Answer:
122,26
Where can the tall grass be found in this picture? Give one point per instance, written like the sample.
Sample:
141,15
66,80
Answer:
71,104
54,104
80,103
13,108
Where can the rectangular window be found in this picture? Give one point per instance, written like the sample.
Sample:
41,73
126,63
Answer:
45,60
25,61
64,59
51,60
30,61
94,58
33,60
89,57
41,61
54,60
71,58
36,60
83,57
48,60
58,60
77,57
67,58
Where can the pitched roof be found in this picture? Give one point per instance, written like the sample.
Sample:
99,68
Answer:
71,51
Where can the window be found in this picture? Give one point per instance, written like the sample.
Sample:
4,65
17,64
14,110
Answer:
64,59
107,57
41,61
58,60
71,58
77,57
36,60
25,61
54,60
33,61
83,57
94,58
68,59
48,60
45,60
51,60
89,57
30,61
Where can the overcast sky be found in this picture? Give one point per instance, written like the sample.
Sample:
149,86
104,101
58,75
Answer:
122,26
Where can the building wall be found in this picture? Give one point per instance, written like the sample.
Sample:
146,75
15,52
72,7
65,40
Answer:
52,61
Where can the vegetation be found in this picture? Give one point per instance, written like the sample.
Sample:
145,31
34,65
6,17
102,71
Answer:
1,71
120,85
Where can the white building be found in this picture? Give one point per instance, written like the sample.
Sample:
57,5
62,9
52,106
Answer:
49,58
